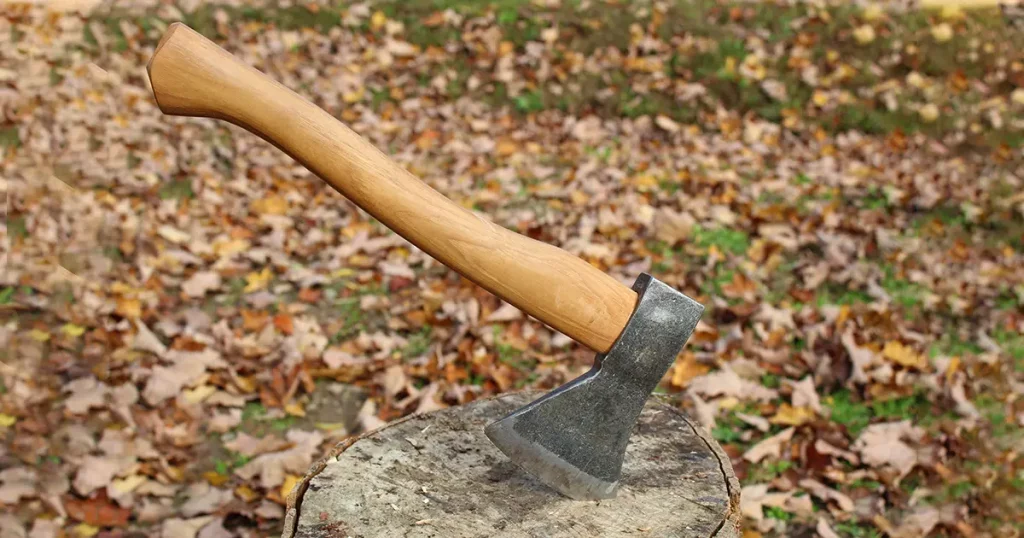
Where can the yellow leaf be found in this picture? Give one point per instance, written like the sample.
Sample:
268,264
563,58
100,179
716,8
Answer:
246,384
578,198
271,205
127,484
378,20
246,493
72,330
295,409
343,273
354,96
198,394
645,182
951,12
38,335
289,483
6,421
903,355
872,12
685,369
929,112
942,32
330,426
728,402
129,308
215,479
819,98
505,48
257,281
228,248
730,65
792,416
85,530
506,147
864,34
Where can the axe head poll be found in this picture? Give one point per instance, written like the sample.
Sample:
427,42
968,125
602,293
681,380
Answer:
574,438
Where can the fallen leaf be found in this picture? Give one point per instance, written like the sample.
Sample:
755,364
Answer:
826,493
754,498
864,34
183,528
256,281
942,32
726,382
86,393
97,511
805,394
824,530
885,444
685,369
904,355
250,446
274,466
289,483
202,498
769,447
17,483
201,283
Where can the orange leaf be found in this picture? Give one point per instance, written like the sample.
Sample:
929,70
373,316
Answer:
309,295
685,369
283,323
97,511
129,308
254,320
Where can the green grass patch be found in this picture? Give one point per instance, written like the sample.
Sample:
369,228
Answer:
178,189
852,529
9,137
418,344
774,512
904,293
951,345
724,239
838,294
17,228
854,415
766,471
915,407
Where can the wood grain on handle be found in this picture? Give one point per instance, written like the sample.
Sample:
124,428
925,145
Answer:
192,76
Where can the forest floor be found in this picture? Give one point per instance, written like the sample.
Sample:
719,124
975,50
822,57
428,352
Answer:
189,318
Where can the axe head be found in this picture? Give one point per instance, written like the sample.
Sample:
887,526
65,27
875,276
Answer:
574,438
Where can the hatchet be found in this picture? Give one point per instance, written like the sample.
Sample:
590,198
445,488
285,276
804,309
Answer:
572,439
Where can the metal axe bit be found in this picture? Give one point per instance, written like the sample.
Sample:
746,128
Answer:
572,439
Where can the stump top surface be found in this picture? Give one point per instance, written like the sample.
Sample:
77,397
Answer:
437,475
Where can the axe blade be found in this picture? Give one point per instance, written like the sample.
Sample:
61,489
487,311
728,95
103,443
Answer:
573,439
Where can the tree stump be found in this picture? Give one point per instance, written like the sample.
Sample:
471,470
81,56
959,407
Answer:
437,475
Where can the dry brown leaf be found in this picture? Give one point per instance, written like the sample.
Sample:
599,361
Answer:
272,467
886,444
769,447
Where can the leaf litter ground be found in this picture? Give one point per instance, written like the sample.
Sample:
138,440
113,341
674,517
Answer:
190,319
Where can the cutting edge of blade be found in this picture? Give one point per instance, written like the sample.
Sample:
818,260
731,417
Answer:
546,466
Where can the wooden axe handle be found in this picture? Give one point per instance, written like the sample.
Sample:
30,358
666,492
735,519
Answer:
192,76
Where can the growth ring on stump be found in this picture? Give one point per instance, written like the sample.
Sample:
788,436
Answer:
437,475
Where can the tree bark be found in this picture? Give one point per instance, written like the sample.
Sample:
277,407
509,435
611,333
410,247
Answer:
437,475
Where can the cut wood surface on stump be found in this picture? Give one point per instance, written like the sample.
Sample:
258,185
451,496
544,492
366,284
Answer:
437,475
